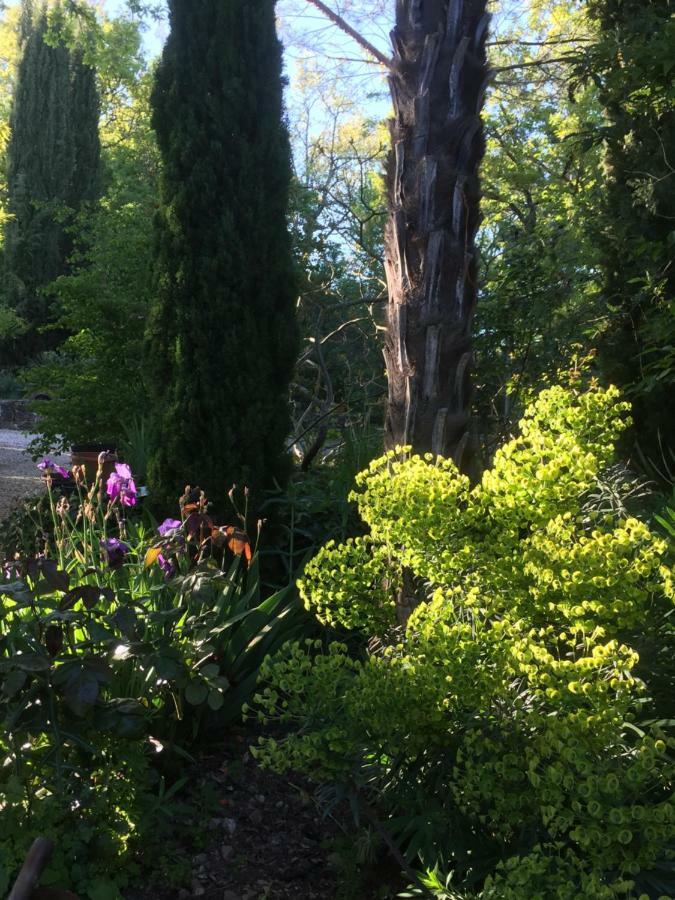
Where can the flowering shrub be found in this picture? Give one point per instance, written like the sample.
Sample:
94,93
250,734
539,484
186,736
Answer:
498,727
116,643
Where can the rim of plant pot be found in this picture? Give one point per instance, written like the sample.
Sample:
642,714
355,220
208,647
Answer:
94,447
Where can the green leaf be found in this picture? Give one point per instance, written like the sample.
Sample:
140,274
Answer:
210,671
168,667
126,719
196,693
81,692
99,634
13,683
30,662
125,619
18,591
216,700
103,890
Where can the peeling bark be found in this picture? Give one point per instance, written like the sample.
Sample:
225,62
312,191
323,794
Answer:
438,79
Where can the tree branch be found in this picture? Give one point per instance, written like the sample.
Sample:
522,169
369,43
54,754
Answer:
546,43
353,34
535,63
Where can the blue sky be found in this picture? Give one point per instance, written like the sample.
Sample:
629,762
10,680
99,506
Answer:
312,42
310,39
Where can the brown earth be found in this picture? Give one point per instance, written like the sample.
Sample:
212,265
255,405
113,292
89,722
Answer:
268,840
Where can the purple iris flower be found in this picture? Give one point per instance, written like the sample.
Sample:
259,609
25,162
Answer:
114,551
49,467
168,566
169,525
121,484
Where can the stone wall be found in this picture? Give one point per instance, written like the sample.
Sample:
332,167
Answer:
16,414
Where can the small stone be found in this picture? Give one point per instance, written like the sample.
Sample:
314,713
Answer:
198,889
230,825
280,804
199,859
226,851
256,817
260,798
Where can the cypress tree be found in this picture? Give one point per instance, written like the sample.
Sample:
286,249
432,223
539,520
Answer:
222,333
53,169
85,111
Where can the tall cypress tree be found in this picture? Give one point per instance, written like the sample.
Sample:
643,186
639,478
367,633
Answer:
85,112
222,334
53,169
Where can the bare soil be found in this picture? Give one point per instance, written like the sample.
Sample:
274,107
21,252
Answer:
268,840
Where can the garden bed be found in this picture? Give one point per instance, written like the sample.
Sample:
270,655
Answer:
267,838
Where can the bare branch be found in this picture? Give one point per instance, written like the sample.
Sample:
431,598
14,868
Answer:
511,42
347,28
536,63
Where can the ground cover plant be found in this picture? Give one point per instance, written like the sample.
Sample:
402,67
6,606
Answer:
119,644
497,728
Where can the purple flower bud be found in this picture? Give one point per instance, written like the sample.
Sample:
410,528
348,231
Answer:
168,566
49,467
114,551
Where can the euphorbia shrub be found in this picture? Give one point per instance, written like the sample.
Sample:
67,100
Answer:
497,728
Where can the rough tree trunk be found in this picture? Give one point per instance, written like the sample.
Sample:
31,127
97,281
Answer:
438,81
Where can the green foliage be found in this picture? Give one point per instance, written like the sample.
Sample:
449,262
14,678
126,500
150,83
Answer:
538,304
92,820
136,446
104,664
12,326
499,729
338,208
53,171
96,378
10,386
221,334
631,61
314,507
348,585
22,532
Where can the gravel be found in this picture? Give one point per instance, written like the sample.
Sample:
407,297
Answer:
19,476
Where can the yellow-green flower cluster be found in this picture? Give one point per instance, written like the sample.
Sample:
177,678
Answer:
511,699
352,584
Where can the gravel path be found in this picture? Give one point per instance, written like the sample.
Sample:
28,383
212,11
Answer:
18,474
